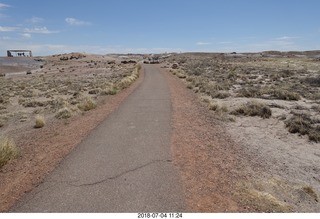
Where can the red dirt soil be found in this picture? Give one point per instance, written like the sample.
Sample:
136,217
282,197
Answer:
207,158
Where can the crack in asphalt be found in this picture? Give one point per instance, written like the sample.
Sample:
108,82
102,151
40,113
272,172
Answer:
120,174
98,182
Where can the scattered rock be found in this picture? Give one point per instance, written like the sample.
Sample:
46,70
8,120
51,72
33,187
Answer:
64,58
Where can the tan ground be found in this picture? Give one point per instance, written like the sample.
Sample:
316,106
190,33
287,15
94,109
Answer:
282,169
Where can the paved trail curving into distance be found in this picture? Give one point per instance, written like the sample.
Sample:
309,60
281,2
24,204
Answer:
124,165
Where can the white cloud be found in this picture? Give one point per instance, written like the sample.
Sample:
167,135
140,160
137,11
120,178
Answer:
7,29
226,42
26,35
76,22
4,6
286,38
35,20
40,30
203,43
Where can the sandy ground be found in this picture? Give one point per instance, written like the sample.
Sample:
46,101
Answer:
272,170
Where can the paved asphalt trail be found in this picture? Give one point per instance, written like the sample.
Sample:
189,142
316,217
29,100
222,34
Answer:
124,165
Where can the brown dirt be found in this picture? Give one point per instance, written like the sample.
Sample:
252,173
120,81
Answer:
207,158
42,150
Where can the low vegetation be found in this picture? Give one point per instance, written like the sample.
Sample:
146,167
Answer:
8,151
304,125
87,104
231,79
39,122
253,109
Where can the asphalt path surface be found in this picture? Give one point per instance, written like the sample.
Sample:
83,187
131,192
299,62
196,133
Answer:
124,165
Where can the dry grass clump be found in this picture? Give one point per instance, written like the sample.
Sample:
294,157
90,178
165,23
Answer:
87,104
8,151
254,109
250,92
64,113
95,91
303,125
263,201
313,81
127,81
39,122
109,91
217,107
285,94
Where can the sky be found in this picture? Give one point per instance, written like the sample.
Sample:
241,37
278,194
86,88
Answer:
158,26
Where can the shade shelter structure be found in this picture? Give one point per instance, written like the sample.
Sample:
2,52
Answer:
19,53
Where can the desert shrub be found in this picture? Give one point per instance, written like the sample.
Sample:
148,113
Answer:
232,75
285,94
128,80
124,83
314,134
189,86
95,91
220,95
109,91
286,73
313,81
253,109
64,113
299,124
217,107
39,122
190,79
87,104
304,125
250,92
30,103
8,151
